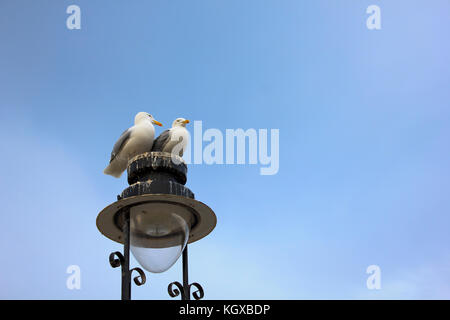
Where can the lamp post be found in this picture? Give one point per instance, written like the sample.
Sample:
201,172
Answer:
155,218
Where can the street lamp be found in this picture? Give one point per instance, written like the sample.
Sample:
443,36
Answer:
156,217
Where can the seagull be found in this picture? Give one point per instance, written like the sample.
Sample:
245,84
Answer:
133,141
177,135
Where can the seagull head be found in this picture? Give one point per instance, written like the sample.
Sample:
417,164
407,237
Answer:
144,116
180,122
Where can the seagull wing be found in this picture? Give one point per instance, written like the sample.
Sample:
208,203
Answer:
161,141
118,146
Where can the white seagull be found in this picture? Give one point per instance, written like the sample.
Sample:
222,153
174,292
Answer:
133,141
176,136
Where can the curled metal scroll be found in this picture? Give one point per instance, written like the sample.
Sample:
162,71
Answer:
175,292
116,262
116,259
198,294
140,279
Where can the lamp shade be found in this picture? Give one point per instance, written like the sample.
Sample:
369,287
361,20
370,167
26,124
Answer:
157,239
163,214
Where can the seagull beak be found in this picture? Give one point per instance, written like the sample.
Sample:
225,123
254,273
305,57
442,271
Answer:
157,122
186,121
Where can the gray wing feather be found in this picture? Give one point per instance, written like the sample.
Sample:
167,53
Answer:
118,146
161,141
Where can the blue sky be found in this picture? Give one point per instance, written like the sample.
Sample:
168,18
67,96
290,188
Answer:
364,126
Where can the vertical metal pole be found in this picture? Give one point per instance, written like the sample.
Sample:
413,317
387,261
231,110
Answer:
126,274
187,295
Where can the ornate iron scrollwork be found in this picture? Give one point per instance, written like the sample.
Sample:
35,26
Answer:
198,294
116,262
176,292
116,259
140,279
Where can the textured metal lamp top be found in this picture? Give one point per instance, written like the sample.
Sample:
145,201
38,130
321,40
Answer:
156,173
157,185
140,166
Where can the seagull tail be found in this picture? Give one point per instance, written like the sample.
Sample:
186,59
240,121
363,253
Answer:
113,169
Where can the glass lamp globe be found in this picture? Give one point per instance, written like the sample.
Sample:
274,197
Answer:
157,239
